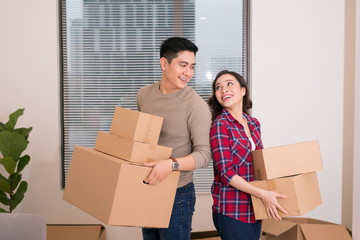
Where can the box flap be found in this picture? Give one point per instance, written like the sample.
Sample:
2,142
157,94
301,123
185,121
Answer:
302,220
75,231
276,228
324,232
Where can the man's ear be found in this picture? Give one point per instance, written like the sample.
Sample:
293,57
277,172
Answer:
163,63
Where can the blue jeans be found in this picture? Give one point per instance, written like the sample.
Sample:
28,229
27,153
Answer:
181,217
231,229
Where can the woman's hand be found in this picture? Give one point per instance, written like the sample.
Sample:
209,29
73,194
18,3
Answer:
269,199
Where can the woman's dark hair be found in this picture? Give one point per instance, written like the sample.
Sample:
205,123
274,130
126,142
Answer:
170,48
216,107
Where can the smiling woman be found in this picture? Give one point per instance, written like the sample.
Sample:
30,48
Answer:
110,50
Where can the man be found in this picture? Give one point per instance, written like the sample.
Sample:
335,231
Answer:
185,128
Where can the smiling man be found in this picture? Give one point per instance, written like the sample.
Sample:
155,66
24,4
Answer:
185,129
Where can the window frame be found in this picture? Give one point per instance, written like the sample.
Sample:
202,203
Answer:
179,30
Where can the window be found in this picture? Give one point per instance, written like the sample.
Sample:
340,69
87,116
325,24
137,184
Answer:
110,48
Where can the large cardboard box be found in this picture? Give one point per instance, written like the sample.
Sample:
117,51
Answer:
75,232
112,190
129,149
303,229
270,163
136,126
303,194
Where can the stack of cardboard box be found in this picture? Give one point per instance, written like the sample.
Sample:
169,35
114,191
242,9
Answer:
289,170
107,182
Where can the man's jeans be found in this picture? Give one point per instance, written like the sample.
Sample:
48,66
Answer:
181,217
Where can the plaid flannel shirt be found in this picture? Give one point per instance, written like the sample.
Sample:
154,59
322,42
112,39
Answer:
231,151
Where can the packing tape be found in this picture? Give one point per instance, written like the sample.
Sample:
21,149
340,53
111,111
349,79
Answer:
271,185
149,129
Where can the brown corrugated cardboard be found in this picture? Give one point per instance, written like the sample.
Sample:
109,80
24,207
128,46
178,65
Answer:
112,190
136,126
303,194
75,232
270,163
303,229
130,150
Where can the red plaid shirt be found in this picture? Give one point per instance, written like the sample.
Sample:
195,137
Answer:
231,151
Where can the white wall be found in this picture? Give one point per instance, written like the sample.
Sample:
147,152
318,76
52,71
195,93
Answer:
356,188
297,83
297,80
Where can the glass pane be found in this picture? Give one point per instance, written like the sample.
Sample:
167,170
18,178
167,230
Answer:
111,49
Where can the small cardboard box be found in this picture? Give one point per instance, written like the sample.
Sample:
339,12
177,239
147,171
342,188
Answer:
75,232
303,194
130,150
270,163
112,190
136,126
303,229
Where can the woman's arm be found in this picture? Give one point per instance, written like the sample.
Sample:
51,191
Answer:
269,198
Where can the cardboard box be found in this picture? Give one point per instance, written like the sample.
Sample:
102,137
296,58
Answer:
270,163
75,232
136,126
130,150
303,229
112,190
303,194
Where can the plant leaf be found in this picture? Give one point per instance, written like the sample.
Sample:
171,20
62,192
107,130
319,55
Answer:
12,144
16,178
4,199
3,211
4,184
23,131
9,164
19,195
2,126
10,125
23,161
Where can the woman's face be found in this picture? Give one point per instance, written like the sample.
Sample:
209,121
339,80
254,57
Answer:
228,91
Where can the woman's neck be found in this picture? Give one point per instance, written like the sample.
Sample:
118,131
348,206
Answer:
237,113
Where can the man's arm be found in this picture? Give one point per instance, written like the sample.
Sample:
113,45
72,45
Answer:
199,122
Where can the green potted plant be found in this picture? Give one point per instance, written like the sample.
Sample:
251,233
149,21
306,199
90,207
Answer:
13,141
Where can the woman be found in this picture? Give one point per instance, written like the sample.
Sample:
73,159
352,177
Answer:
233,135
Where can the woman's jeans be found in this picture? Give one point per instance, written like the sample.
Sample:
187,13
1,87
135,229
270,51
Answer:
181,217
231,229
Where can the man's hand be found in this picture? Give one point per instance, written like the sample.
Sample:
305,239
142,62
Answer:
161,169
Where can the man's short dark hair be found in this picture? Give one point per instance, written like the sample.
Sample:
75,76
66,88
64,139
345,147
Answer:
170,48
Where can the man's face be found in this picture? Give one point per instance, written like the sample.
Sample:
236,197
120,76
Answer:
177,73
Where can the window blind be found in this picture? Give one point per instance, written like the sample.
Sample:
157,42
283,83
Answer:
110,48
